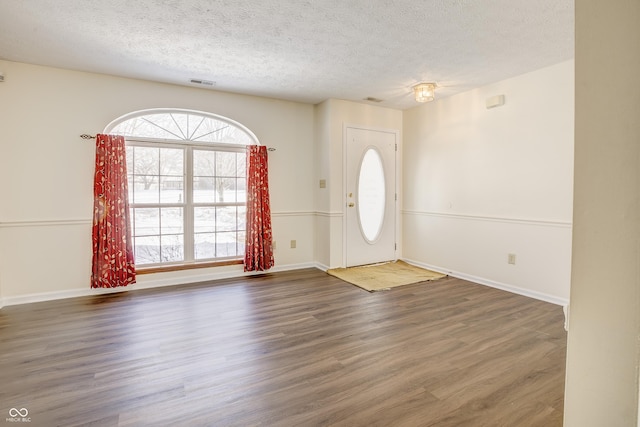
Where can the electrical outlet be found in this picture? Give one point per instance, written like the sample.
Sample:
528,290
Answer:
511,259
273,245
293,244
323,183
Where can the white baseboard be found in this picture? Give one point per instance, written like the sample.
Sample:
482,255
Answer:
493,284
146,284
228,274
50,296
321,267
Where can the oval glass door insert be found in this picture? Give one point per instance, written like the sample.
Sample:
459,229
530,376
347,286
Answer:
371,194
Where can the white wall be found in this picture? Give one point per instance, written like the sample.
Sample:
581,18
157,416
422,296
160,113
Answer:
603,355
482,183
476,184
331,118
46,172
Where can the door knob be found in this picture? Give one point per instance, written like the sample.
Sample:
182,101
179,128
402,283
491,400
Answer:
351,204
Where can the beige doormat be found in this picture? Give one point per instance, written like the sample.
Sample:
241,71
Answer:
381,277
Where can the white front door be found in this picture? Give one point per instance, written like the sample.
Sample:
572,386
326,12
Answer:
370,196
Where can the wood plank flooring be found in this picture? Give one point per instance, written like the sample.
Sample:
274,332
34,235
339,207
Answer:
296,348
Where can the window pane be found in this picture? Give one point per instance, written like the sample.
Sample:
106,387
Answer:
204,220
160,178
147,221
241,164
149,126
225,190
172,221
371,194
194,123
146,189
183,126
213,130
241,190
204,163
172,248
146,161
130,188
226,218
147,249
172,161
180,120
225,164
203,190
171,189
242,218
130,168
241,243
226,244
204,245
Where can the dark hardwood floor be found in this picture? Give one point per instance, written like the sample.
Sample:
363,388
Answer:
297,348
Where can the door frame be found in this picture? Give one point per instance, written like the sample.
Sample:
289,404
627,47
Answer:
396,184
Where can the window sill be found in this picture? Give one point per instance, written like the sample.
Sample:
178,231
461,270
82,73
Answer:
190,266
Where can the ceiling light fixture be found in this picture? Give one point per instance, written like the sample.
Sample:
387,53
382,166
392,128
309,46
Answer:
424,92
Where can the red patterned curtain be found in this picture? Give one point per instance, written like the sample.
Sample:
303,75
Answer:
113,263
258,254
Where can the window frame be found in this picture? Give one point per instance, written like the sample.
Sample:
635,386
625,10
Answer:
188,205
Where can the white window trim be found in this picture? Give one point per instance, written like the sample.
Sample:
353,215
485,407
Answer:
188,146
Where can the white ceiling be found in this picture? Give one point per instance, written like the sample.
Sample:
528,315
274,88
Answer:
300,50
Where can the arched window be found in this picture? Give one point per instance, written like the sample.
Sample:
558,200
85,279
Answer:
187,185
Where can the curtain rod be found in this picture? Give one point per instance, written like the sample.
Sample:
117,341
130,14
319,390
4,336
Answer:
87,136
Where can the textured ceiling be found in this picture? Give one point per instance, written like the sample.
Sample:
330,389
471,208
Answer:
305,50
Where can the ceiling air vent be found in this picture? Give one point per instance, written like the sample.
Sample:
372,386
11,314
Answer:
202,82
